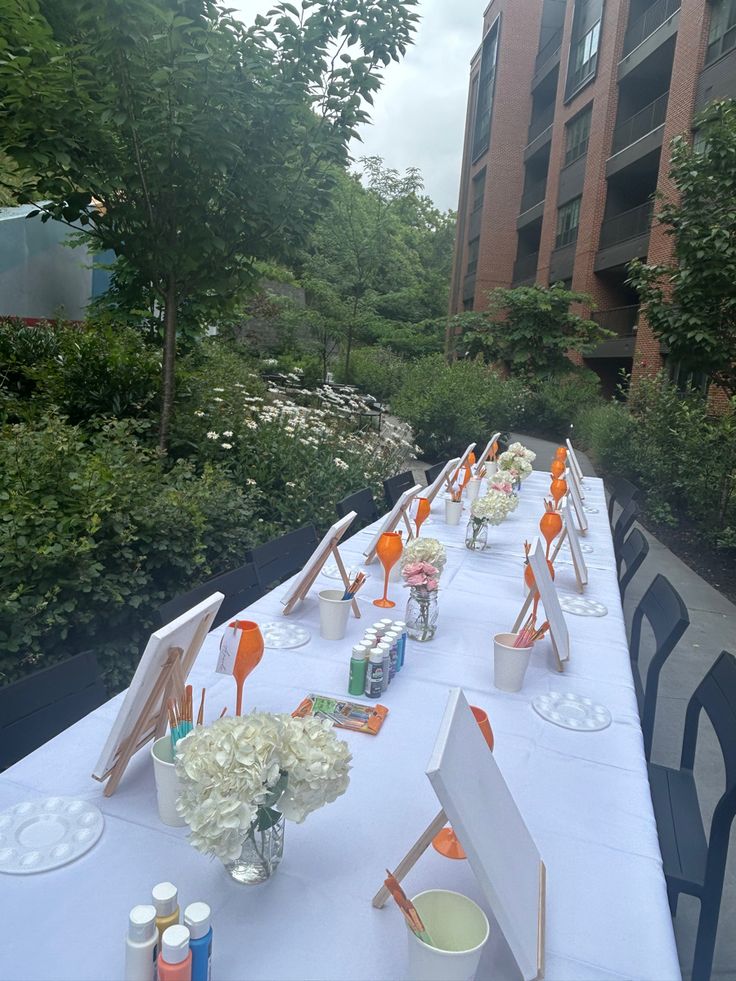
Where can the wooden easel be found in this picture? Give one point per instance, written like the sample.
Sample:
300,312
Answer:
559,663
151,723
486,452
308,580
401,512
420,846
560,542
442,480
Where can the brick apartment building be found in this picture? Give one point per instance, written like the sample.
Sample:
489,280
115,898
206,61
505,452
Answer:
572,106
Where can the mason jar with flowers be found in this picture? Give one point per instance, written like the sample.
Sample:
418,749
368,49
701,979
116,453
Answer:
242,777
516,464
491,509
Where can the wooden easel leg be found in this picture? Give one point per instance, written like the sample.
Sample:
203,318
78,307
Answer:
416,851
522,613
560,542
409,529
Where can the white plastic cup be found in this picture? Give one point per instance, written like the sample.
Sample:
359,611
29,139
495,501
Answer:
167,782
509,662
473,488
333,614
453,511
491,469
458,927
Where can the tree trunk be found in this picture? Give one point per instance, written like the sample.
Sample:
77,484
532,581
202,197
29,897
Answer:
171,310
348,348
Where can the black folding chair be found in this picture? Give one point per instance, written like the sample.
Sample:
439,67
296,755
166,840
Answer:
280,558
394,487
39,707
632,553
695,863
432,473
667,616
241,587
621,529
365,507
622,492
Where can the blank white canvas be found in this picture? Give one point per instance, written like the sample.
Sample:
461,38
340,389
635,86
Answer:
575,551
578,468
179,633
572,492
489,825
576,481
319,556
487,450
464,458
431,492
390,520
550,600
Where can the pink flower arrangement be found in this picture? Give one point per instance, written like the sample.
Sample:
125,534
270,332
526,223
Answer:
499,483
421,574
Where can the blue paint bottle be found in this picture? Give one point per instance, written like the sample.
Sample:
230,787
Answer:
197,921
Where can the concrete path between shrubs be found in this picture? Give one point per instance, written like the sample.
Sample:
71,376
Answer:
712,629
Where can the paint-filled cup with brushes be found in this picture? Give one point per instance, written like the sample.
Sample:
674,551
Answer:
167,782
458,930
334,610
509,662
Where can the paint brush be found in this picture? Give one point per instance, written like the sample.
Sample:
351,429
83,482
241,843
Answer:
413,919
200,713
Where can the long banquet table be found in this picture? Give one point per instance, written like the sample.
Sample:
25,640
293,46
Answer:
584,796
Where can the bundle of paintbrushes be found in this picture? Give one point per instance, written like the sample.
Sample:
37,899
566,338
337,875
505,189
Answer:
354,586
413,919
529,633
481,473
456,493
180,716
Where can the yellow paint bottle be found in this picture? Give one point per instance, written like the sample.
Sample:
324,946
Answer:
166,901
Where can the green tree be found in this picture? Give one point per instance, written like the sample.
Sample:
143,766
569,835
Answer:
530,330
184,141
690,303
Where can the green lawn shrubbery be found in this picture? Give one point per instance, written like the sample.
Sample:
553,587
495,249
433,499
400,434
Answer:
377,371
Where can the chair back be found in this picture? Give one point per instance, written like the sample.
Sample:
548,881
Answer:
364,506
632,553
394,487
280,558
39,707
432,473
622,493
241,587
665,612
716,696
621,529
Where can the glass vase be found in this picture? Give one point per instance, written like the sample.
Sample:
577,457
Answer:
260,855
476,534
421,614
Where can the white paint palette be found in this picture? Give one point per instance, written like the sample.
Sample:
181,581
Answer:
580,606
571,711
281,635
40,835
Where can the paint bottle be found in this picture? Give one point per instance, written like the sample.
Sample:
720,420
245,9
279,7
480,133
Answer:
374,674
141,944
370,637
400,626
166,901
358,665
175,959
385,650
392,639
386,624
197,921
380,629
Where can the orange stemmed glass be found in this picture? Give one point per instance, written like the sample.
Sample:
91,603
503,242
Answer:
561,453
389,551
423,507
550,526
558,489
557,468
250,652
445,841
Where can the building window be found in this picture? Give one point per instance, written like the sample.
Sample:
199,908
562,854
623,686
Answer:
479,187
686,380
473,249
568,217
486,82
576,136
467,305
722,33
584,58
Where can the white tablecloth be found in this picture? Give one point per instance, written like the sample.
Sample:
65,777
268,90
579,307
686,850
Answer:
584,796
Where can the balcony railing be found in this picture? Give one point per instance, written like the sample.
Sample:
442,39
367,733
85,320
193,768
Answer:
629,224
620,320
533,194
550,47
541,121
641,123
525,266
652,18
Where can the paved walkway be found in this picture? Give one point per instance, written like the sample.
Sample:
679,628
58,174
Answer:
712,629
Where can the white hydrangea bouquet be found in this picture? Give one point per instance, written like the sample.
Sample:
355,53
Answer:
427,550
239,775
494,507
517,462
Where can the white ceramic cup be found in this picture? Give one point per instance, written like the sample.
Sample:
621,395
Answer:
509,662
333,614
453,511
458,927
167,782
471,491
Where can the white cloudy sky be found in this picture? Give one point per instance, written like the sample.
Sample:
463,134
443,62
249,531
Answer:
419,114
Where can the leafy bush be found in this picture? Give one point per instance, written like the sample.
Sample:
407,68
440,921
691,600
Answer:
607,430
377,371
95,534
553,406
